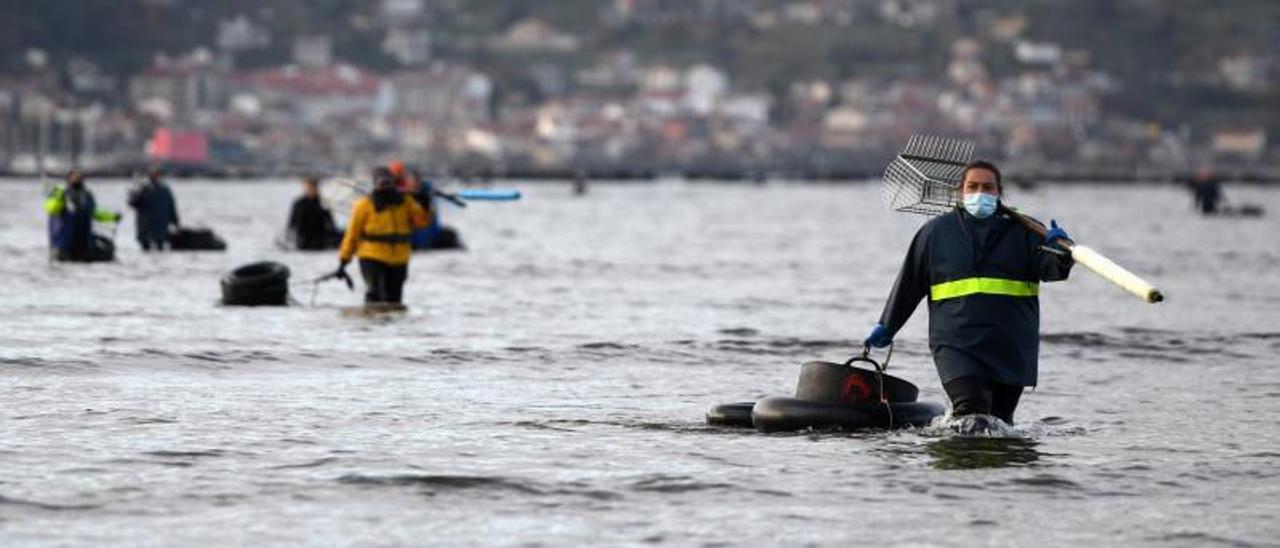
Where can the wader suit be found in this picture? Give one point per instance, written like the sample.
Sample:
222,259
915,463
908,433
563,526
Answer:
982,278
157,211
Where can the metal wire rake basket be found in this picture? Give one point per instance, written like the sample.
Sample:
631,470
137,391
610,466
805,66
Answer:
923,178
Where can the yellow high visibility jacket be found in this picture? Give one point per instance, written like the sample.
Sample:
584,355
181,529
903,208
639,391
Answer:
382,236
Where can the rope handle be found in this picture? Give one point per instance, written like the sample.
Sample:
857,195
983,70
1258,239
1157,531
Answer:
880,369
866,357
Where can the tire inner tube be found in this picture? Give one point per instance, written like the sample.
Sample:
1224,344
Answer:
100,249
263,283
781,413
196,239
737,414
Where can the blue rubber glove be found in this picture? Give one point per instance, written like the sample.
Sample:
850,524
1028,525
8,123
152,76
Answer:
1055,233
879,337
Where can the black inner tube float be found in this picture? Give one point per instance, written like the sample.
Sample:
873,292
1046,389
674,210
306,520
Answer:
833,396
195,239
264,283
100,249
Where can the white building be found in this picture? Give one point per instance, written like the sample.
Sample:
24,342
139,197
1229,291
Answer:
704,85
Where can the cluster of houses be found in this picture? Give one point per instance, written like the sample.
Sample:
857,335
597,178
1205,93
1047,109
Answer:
619,115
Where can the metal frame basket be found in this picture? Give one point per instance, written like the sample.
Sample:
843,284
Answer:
923,178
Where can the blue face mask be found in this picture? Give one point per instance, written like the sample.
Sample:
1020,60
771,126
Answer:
980,205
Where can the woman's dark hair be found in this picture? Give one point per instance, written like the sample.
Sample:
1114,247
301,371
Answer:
382,175
983,164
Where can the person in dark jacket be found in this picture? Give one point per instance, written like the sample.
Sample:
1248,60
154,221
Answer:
72,211
1207,190
157,211
981,270
310,222
422,191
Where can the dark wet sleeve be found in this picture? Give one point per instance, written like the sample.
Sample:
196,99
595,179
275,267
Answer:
1050,266
909,289
294,215
329,225
173,207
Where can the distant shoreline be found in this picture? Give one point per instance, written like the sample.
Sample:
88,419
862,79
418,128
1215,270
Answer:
1022,178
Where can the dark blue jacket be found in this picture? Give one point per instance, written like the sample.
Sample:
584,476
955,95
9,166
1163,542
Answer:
982,279
157,210
423,237
71,216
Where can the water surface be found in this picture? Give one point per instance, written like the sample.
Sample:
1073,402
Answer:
548,385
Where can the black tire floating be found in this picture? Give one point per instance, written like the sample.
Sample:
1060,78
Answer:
780,413
100,249
833,396
731,414
196,239
263,283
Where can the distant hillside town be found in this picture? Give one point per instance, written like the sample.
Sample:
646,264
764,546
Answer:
625,88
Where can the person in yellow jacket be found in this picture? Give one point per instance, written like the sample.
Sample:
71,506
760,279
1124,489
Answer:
379,233
72,211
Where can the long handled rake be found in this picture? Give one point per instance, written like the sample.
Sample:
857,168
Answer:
924,178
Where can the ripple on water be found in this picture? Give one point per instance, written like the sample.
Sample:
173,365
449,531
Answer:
1196,538
185,454
24,503
143,421
779,346
578,426
233,356
1048,481
44,364
1156,345
667,483
451,356
309,464
439,484
436,483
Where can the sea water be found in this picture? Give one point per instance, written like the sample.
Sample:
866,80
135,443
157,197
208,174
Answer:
548,385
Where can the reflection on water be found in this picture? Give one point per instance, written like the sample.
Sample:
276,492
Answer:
970,453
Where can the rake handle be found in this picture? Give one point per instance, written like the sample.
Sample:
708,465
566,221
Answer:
1096,262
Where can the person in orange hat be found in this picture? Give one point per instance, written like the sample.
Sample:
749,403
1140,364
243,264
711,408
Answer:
397,170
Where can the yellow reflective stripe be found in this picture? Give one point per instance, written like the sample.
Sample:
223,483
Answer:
990,286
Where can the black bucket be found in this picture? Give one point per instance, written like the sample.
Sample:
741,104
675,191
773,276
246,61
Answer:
843,383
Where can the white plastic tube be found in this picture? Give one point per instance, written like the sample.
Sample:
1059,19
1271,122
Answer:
1116,274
